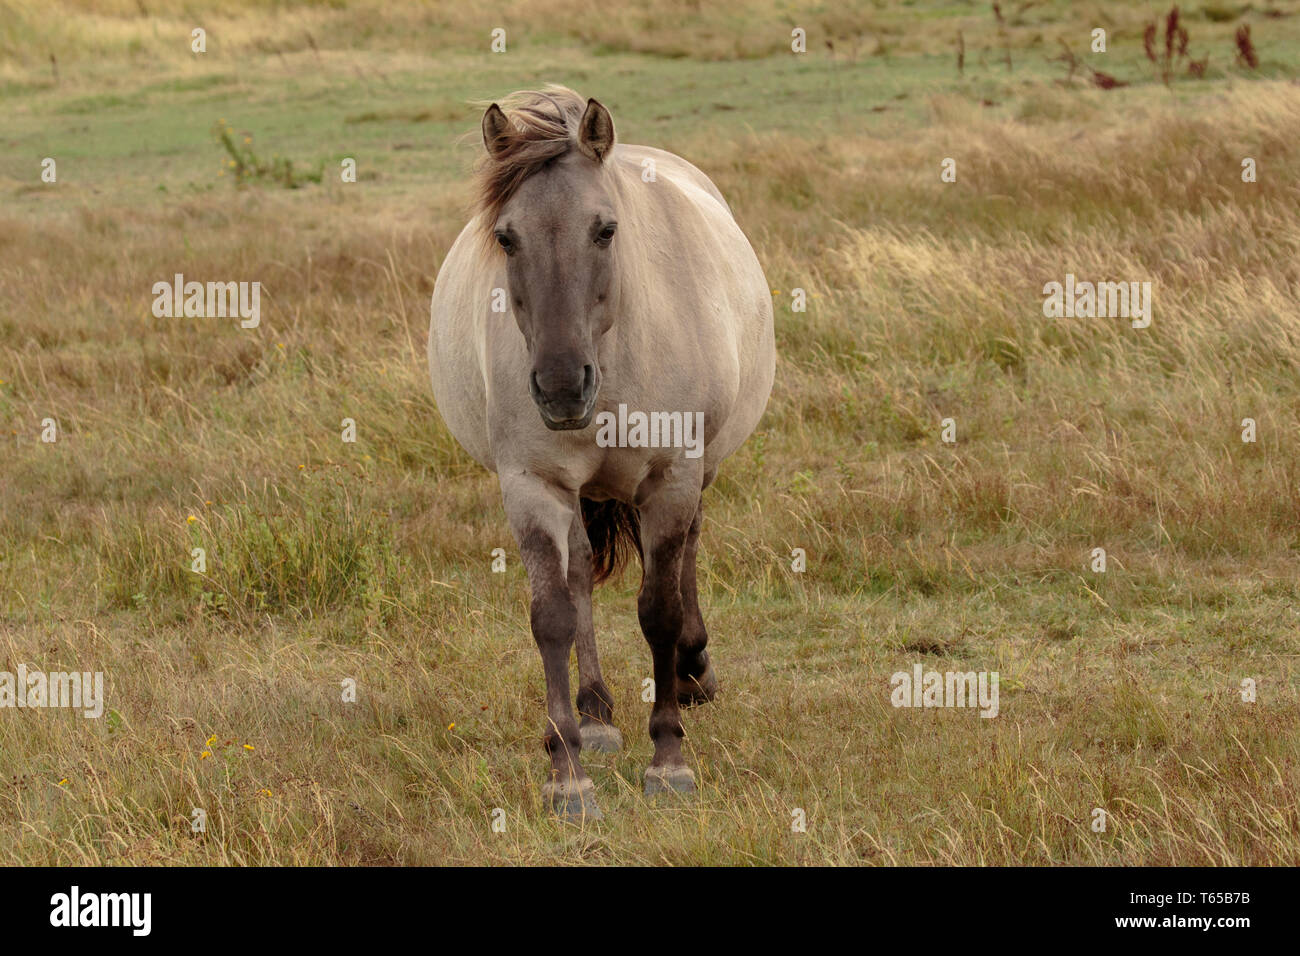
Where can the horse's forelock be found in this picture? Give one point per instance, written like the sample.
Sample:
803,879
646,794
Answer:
543,125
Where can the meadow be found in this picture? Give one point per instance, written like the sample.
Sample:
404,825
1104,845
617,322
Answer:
371,560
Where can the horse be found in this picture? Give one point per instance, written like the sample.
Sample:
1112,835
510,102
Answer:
631,286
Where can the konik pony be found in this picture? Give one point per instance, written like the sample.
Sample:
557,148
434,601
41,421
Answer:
594,275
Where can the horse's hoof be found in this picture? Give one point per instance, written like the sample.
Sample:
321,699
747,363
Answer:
601,738
697,690
669,780
573,801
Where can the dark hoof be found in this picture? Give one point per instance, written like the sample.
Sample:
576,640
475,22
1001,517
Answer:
697,690
601,738
573,801
669,780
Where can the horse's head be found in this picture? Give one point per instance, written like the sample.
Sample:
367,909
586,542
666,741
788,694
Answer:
555,221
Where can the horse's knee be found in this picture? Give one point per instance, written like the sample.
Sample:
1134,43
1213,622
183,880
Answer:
554,619
661,616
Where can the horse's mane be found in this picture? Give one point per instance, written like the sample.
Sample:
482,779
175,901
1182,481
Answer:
543,126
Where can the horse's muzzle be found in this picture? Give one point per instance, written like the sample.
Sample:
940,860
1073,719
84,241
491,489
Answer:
568,407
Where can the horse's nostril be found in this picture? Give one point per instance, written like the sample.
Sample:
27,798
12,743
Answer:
588,380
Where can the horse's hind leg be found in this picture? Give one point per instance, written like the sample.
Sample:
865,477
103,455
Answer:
540,517
696,682
595,704
666,520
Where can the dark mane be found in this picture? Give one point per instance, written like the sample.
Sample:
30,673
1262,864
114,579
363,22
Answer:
543,127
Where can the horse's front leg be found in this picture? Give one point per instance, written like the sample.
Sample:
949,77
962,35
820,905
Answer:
595,703
667,514
541,516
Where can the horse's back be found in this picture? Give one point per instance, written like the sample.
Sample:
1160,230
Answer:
671,165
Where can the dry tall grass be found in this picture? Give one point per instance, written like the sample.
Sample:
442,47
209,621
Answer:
372,561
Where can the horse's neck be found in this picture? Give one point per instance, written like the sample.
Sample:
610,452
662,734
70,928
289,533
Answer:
640,220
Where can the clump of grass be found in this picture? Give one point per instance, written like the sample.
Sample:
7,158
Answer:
300,553
299,550
246,166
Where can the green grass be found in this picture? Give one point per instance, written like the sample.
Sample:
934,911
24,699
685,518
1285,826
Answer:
371,561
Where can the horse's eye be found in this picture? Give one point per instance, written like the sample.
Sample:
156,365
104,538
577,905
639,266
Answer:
606,235
504,242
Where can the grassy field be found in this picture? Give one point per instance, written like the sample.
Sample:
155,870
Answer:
372,560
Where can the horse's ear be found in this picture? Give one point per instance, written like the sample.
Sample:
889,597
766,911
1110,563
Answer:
596,132
496,131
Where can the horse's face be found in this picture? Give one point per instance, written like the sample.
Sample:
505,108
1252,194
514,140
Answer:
558,231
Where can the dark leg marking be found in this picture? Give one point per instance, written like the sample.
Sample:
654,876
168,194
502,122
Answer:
695,683
660,609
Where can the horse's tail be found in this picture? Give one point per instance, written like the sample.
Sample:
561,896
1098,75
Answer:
613,529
